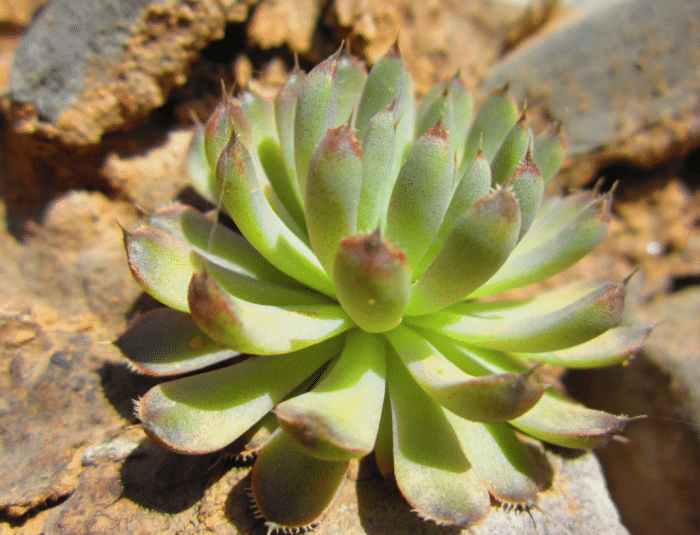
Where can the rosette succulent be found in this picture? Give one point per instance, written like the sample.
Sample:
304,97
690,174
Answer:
352,311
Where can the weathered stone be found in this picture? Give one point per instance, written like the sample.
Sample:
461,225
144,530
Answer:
622,77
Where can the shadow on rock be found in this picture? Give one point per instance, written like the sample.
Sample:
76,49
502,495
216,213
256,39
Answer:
383,510
121,386
163,481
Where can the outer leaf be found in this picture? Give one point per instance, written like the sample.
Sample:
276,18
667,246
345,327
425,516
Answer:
501,460
477,246
260,329
377,161
569,424
290,489
528,187
350,80
421,194
315,114
160,264
384,449
339,419
285,112
431,469
217,243
333,192
572,242
373,281
165,341
512,151
493,398
389,82
612,347
198,169
550,147
494,120
205,412
244,198
473,185
572,324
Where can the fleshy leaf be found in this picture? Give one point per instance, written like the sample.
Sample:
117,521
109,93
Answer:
477,246
377,161
384,449
612,347
492,124
501,460
421,194
431,469
285,112
528,188
244,197
550,147
512,151
333,192
198,169
570,325
492,398
205,412
166,341
217,243
473,185
568,424
260,329
372,280
389,82
534,262
290,489
339,419
160,263
350,80
314,115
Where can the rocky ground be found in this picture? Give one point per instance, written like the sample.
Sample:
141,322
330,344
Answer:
96,116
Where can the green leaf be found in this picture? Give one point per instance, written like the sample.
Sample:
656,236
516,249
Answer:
161,265
473,185
492,124
389,82
197,166
478,245
244,197
166,341
260,329
501,460
205,412
512,151
339,419
383,448
568,424
372,280
315,113
285,113
377,181
570,325
431,469
528,188
493,398
612,347
550,148
421,194
333,192
534,261
218,244
350,79
290,489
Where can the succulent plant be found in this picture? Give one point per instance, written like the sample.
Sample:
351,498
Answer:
354,312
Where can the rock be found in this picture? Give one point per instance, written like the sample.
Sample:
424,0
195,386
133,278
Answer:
622,77
87,68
